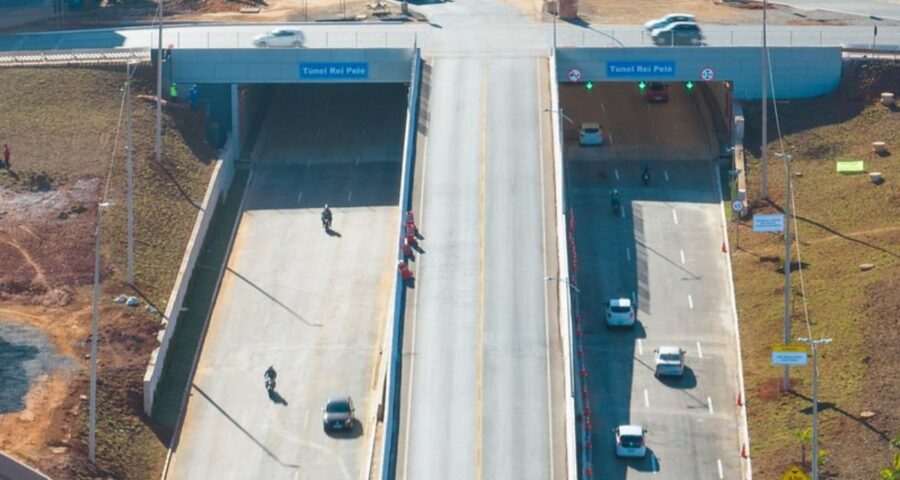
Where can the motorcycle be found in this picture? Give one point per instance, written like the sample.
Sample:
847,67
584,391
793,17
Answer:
616,205
326,222
270,383
645,176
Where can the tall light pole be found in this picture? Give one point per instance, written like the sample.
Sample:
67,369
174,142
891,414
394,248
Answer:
815,428
563,280
787,263
764,157
132,65
92,429
159,62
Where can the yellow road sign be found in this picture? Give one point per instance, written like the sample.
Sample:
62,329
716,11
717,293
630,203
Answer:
795,473
794,347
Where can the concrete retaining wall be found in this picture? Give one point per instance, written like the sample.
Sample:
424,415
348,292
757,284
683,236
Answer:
14,470
247,65
798,72
219,182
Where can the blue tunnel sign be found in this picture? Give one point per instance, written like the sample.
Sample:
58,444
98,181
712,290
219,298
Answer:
640,69
334,70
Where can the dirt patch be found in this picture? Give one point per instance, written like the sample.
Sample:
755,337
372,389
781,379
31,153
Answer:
844,221
67,138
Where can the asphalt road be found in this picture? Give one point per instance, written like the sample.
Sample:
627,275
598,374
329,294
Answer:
313,305
480,398
665,253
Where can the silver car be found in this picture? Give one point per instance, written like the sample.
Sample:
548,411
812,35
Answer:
280,38
338,413
678,33
670,18
669,361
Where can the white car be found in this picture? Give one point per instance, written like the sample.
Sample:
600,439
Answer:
590,134
619,313
678,33
669,361
279,38
630,441
670,18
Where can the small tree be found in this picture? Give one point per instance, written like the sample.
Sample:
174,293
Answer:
803,436
892,472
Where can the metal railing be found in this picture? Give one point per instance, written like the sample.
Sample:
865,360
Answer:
74,57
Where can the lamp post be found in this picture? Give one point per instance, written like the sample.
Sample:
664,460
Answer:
159,62
764,156
95,320
132,65
815,428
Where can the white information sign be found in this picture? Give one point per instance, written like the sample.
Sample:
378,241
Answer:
768,223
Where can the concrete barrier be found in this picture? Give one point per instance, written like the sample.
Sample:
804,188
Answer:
221,178
15,470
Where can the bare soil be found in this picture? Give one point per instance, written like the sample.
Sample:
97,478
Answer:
68,148
844,221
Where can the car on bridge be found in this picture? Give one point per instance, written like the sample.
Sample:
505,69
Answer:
338,413
669,361
678,33
619,313
630,441
670,18
281,37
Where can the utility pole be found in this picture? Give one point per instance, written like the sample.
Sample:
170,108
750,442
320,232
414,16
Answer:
788,215
159,62
815,428
130,67
764,158
92,430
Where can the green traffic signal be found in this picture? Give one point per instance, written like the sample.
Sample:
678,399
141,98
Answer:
689,85
642,86
589,85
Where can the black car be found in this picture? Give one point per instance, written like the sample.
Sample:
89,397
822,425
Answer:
338,413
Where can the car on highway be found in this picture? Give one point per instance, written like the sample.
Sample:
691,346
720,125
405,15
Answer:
338,413
669,361
678,33
670,18
619,313
590,134
630,441
657,92
281,37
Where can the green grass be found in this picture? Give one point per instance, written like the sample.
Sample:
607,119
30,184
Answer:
847,221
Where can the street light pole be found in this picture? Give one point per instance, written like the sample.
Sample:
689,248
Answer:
815,428
95,320
131,66
764,157
159,62
787,264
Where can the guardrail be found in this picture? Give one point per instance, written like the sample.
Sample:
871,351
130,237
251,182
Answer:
74,57
392,402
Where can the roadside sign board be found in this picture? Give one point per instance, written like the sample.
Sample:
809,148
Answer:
768,223
574,75
707,74
737,205
795,473
793,355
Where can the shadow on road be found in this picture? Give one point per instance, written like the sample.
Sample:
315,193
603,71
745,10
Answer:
242,429
270,297
277,398
355,432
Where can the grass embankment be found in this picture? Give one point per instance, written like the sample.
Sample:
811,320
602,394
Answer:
844,221
61,124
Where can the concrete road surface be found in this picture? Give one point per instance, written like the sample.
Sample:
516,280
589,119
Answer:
664,251
312,304
482,394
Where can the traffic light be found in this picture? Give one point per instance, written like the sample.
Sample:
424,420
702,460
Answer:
589,85
642,86
689,86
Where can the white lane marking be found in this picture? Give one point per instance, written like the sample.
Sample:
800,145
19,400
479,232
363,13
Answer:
610,138
628,253
602,107
616,171
299,196
349,195
675,216
666,174
691,302
622,212
308,162
648,106
646,399
699,350
719,464
709,403
640,347
657,139
633,298
306,419
682,255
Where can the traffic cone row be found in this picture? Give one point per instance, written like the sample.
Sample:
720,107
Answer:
406,247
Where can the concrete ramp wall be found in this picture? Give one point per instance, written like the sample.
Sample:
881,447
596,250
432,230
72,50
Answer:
797,72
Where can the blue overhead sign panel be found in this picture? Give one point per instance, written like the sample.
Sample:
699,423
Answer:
640,69
334,71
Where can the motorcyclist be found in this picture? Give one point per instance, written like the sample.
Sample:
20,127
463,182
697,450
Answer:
614,199
645,172
326,216
270,373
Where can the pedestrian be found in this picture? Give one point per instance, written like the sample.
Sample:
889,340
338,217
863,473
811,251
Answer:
6,156
173,92
193,96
